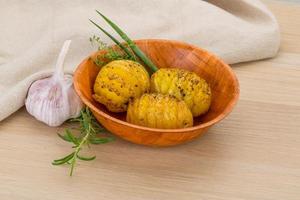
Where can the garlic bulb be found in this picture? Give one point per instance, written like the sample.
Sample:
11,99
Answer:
53,100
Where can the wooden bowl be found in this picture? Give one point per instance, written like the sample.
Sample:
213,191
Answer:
165,53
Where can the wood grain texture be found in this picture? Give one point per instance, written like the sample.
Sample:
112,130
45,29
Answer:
165,53
252,154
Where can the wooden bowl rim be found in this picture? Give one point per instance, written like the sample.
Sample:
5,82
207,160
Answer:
213,121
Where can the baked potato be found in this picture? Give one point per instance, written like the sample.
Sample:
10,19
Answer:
184,85
119,81
159,111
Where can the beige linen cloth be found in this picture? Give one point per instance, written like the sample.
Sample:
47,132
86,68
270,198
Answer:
32,33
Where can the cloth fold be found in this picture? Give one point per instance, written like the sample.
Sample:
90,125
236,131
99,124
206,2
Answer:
32,33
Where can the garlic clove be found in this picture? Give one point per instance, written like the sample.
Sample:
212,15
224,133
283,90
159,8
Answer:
53,100
75,102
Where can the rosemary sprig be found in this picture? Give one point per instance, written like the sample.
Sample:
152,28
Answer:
130,43
88,130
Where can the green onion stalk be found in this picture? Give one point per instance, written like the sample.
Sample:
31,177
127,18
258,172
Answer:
130,43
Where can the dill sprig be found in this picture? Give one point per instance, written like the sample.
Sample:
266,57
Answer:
98,43
86,135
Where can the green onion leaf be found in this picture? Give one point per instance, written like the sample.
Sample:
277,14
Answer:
130,43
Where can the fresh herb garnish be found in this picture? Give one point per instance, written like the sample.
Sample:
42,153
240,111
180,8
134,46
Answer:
86,135
111,53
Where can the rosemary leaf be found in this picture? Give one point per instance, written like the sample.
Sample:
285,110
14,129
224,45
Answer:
86,158
63,160
64,137
100,140
71,137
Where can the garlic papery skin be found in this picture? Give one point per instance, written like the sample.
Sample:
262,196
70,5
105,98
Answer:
53,100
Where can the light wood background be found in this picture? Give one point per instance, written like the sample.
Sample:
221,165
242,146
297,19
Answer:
252,154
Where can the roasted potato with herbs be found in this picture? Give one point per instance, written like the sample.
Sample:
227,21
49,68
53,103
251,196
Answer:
119,81
159,111
184,85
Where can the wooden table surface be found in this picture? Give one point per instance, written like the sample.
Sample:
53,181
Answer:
252,154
